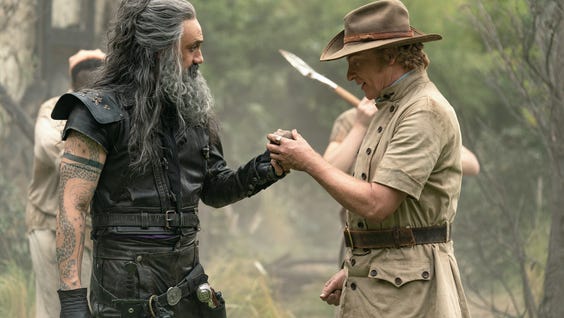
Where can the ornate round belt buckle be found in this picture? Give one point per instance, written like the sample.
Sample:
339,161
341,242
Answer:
173,295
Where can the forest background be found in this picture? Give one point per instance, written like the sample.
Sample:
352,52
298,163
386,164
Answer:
499,65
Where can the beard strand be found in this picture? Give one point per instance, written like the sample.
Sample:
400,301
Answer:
188,91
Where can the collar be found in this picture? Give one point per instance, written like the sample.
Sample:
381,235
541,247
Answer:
402,85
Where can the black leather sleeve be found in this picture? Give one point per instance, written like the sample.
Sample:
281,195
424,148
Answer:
81,120
224,186
91,113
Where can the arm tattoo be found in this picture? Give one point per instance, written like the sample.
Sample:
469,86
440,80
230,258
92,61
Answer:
81,167
84,161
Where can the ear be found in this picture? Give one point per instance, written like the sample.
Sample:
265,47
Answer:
391,60
391,55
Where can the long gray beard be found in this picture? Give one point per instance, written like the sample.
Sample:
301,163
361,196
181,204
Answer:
189,93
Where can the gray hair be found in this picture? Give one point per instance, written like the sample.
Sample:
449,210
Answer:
143,50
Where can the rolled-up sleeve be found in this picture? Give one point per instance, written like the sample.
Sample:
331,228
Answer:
413,151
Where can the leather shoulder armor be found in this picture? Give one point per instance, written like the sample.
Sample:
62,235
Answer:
103,107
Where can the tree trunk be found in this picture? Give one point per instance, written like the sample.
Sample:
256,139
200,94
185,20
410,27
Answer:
552,305
20,118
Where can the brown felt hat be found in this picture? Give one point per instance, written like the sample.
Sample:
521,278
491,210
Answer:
379,24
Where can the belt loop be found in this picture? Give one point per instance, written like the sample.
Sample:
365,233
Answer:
144,220
349,236
448,231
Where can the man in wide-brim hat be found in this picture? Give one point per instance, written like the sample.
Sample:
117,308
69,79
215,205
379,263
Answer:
401,200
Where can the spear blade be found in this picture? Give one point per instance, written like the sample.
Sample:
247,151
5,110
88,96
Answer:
308,71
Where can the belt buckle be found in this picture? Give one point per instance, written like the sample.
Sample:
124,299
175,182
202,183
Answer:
349,236
168,218
173,295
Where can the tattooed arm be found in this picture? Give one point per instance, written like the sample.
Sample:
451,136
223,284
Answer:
81,166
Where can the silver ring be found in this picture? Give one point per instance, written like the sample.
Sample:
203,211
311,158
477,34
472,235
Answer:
278,138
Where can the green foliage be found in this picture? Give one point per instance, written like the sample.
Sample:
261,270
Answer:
247,292
511,207
13,245
508,210
251,290
257,91
242,247
17,291
251,81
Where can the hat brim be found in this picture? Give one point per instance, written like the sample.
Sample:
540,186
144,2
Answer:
336,48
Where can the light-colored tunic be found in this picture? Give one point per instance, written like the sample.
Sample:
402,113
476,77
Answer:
343,125
413,144
47,150
41,213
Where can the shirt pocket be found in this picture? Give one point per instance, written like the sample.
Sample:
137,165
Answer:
400,273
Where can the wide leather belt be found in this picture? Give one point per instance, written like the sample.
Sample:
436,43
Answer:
397,237
187,286
169,219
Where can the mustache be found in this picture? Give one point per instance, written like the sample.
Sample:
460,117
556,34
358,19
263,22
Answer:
193,70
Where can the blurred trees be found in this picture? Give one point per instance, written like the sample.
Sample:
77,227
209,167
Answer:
16,126
525,43
498,65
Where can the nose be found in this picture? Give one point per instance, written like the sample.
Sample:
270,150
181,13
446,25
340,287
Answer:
198,57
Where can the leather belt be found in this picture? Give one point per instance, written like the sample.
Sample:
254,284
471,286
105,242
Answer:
397,237
170,298
186,287
169,219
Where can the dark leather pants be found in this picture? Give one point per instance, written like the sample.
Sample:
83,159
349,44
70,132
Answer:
127,271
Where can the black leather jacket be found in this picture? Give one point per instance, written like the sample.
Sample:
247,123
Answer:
203,172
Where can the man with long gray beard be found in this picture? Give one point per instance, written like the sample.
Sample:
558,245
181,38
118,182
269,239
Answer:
141,150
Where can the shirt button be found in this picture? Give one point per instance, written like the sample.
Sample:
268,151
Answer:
360,224
353,286
398,281
380,129
392,108
363,176
368,151
139,258
373,273
425,275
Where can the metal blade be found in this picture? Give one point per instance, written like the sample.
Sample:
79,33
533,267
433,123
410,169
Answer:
305,69
297,63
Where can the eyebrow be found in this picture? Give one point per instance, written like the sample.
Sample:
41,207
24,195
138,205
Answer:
196,42
352,56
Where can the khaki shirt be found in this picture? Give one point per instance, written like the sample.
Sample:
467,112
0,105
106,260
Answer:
343,125
43,202
413,144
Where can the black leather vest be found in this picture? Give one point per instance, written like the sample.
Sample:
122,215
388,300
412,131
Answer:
203,173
